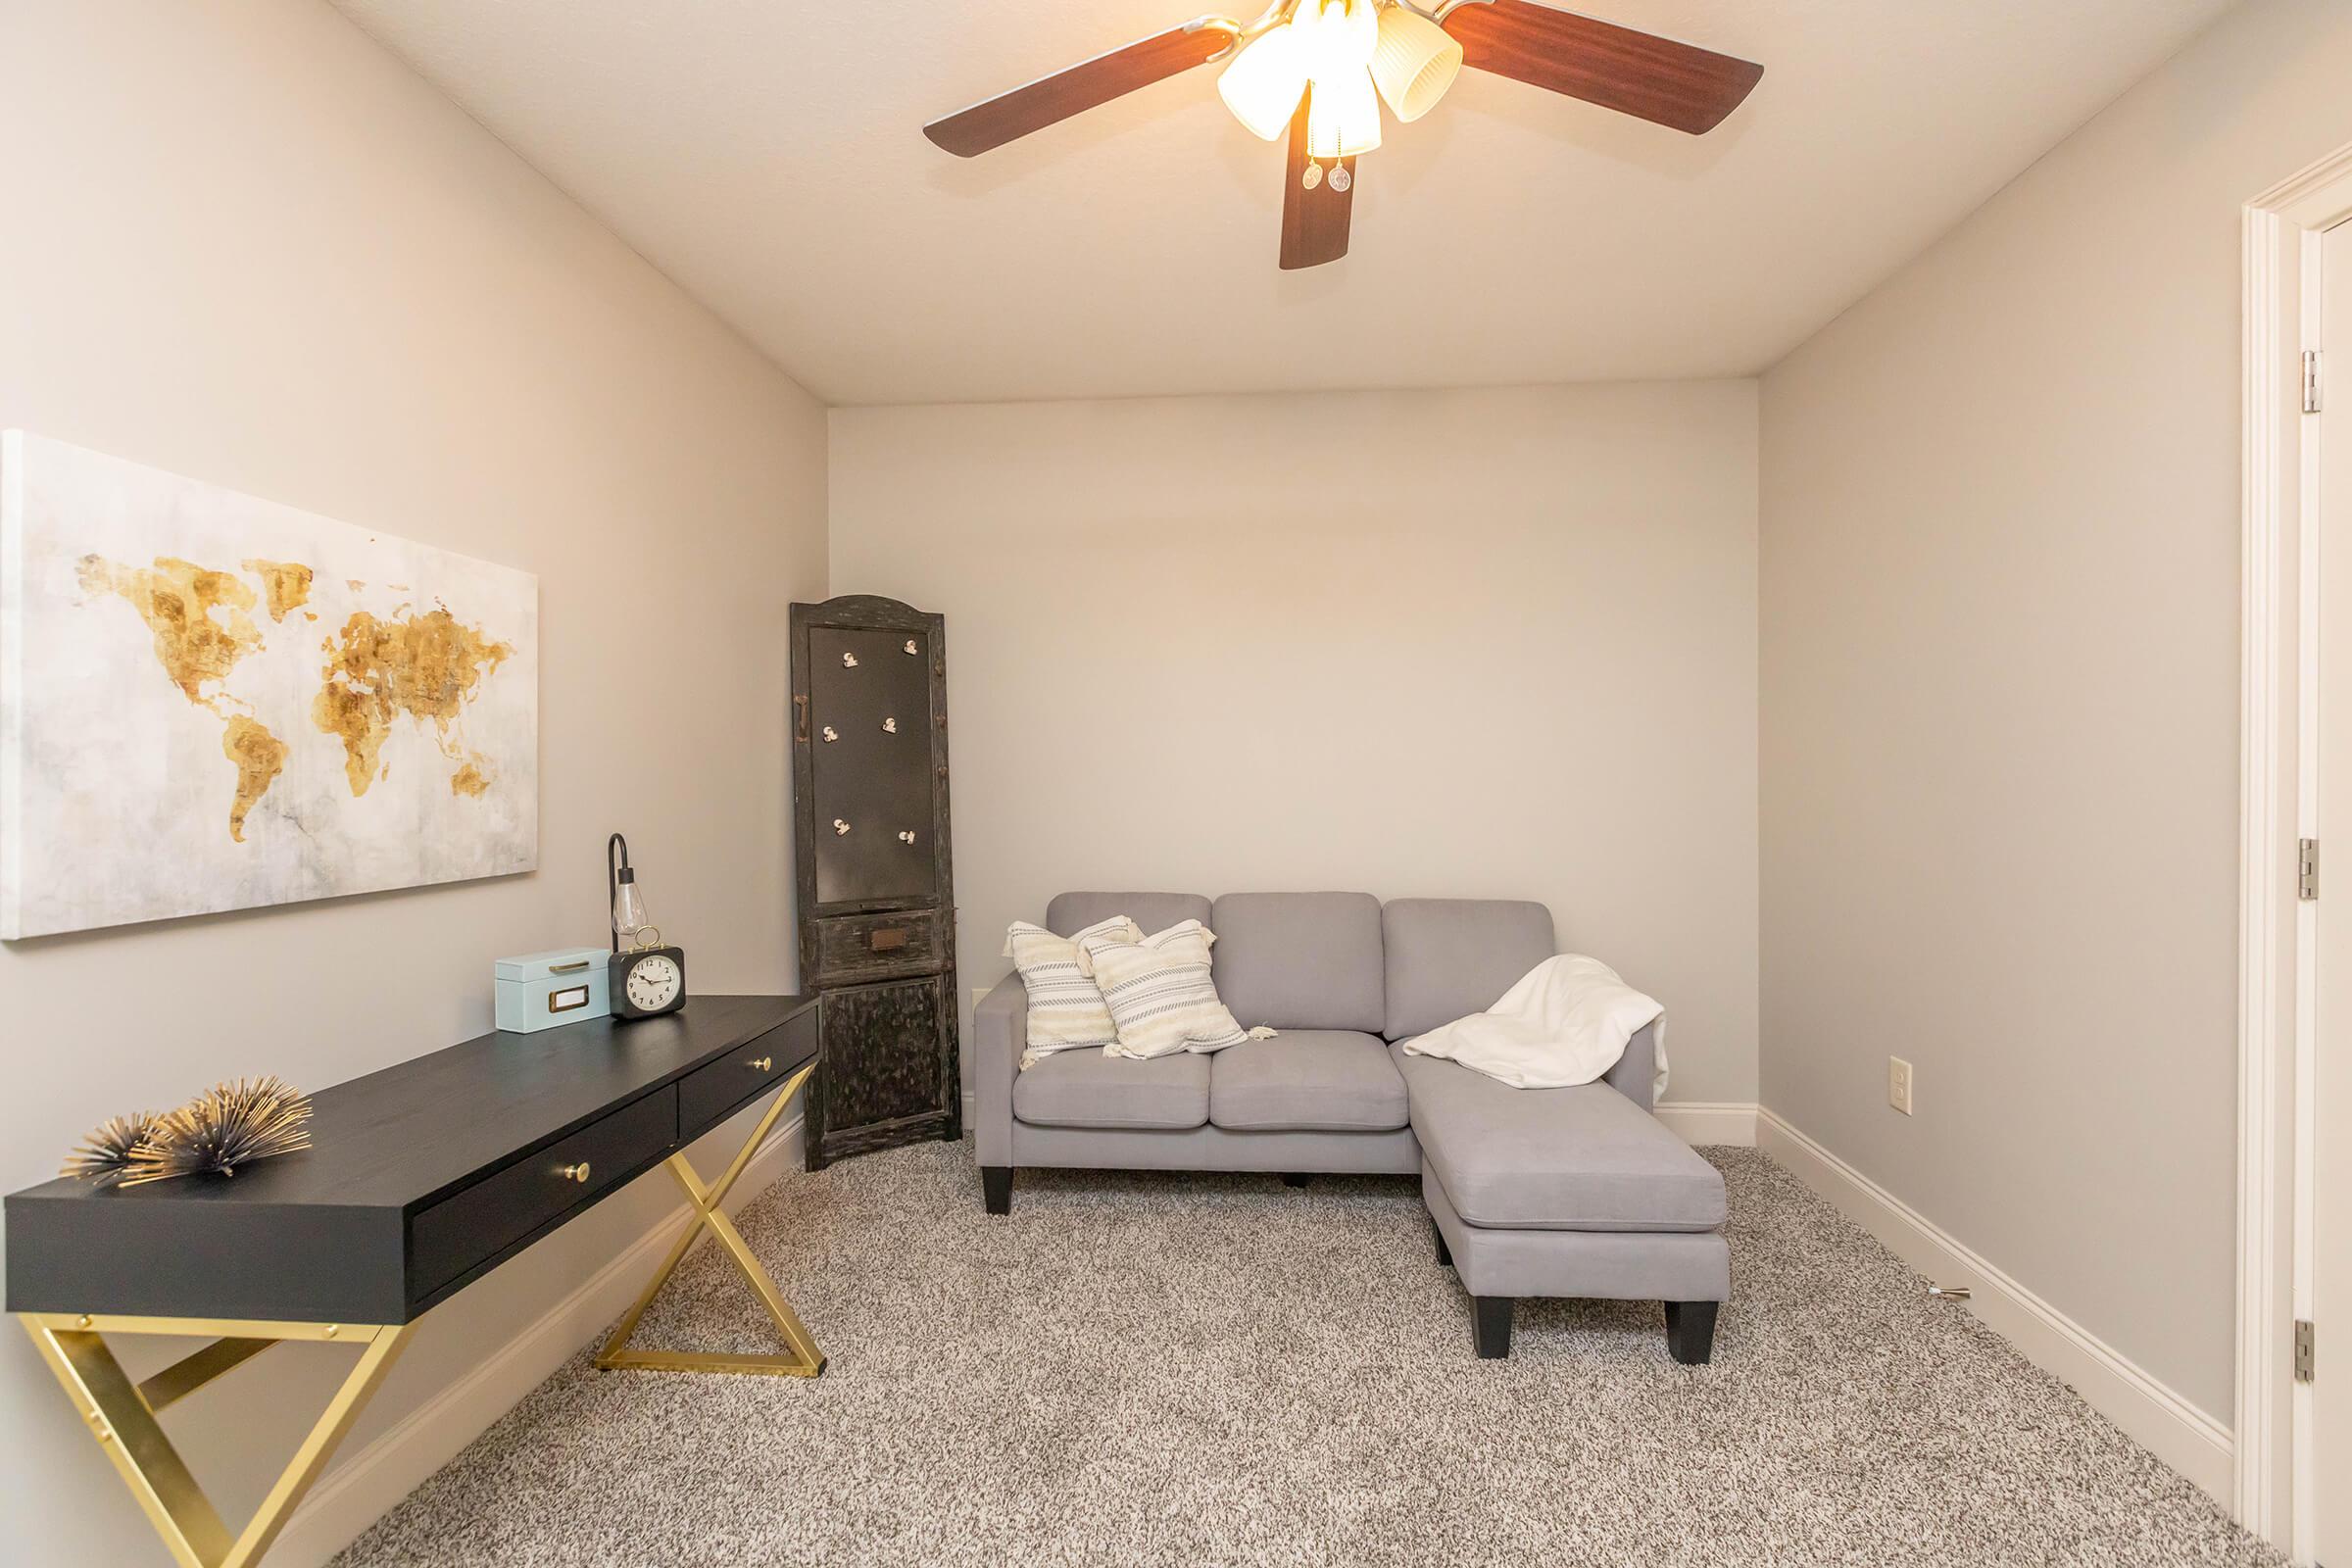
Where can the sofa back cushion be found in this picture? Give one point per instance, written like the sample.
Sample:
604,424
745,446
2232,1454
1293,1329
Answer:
1072,912
1301,961
1450,958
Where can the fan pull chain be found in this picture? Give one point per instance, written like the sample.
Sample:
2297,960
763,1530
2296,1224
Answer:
1311,175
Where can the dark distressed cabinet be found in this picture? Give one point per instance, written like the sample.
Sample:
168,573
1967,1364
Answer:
876,881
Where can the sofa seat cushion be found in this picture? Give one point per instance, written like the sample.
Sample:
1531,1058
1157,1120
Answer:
1307,1080
1584,1159
1088,1089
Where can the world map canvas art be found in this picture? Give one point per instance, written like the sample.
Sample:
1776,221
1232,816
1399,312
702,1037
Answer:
210,702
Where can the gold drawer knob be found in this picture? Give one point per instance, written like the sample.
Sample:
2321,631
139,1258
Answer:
765,1064
576,1173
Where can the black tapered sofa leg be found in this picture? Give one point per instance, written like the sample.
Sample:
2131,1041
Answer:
995,1188
1445,1253
1491,1325
1292,1178
1691,1330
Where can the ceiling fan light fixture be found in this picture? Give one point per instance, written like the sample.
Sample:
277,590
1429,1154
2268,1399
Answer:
1413,61
1262,83
1324,67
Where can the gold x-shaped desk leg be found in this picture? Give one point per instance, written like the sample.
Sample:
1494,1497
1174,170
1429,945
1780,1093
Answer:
122,1413
806,1360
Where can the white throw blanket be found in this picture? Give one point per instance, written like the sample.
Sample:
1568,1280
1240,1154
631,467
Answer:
1565,1023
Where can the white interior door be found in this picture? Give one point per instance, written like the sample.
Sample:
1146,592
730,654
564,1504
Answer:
2330,1471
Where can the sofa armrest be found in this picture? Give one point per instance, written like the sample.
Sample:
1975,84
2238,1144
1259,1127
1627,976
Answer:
1636,1074
1000,1034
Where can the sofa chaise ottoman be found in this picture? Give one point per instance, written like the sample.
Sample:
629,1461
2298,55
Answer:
1532,1192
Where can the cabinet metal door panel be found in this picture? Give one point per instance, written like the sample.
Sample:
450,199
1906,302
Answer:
882,1052
878,781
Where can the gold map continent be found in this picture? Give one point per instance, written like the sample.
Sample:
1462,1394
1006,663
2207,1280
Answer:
428,667
286,582
260,756
177,600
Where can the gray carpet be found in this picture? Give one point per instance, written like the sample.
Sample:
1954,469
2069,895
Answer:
1220,1370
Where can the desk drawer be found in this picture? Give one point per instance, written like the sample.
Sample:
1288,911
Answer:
873,946
509,1206
706,1094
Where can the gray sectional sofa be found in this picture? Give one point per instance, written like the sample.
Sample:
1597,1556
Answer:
1532,1192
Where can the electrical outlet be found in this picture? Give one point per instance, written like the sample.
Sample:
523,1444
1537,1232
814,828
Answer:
1899,1084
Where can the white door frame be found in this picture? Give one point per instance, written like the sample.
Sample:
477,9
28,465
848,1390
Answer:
2277,806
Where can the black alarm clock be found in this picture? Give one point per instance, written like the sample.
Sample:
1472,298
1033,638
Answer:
647,981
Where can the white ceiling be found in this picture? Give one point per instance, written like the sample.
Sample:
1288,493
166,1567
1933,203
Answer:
767,155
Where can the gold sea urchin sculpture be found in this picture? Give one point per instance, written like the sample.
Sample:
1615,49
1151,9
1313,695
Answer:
105,1155
229,1125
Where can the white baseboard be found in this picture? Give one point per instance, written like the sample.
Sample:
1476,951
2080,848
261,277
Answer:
2163,1422
365,1486
1710,1122
1695,1121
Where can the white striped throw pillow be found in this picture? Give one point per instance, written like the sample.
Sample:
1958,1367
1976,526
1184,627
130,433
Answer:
1066,1011
1160,992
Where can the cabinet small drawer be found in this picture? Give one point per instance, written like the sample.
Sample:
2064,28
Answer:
706,1094
866,946
509,1206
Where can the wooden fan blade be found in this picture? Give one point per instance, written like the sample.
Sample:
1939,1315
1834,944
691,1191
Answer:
994,122
1671,83
1315,223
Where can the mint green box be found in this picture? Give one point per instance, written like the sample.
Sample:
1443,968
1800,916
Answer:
542,990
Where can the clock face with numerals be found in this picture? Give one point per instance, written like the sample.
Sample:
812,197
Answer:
655,982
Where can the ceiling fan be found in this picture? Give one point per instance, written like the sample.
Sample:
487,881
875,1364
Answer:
1322,67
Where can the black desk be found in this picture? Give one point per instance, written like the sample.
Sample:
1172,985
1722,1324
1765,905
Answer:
423,1178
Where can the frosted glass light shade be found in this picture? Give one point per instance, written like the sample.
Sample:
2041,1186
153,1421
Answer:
1262,83
1343,115
1414,61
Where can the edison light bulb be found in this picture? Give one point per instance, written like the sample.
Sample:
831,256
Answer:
628,907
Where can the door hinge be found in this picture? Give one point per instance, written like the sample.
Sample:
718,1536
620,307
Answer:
2307,869
2312,388
2305,1361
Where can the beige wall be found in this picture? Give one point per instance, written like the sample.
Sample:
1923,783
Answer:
2000,703
245,244
1496,643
